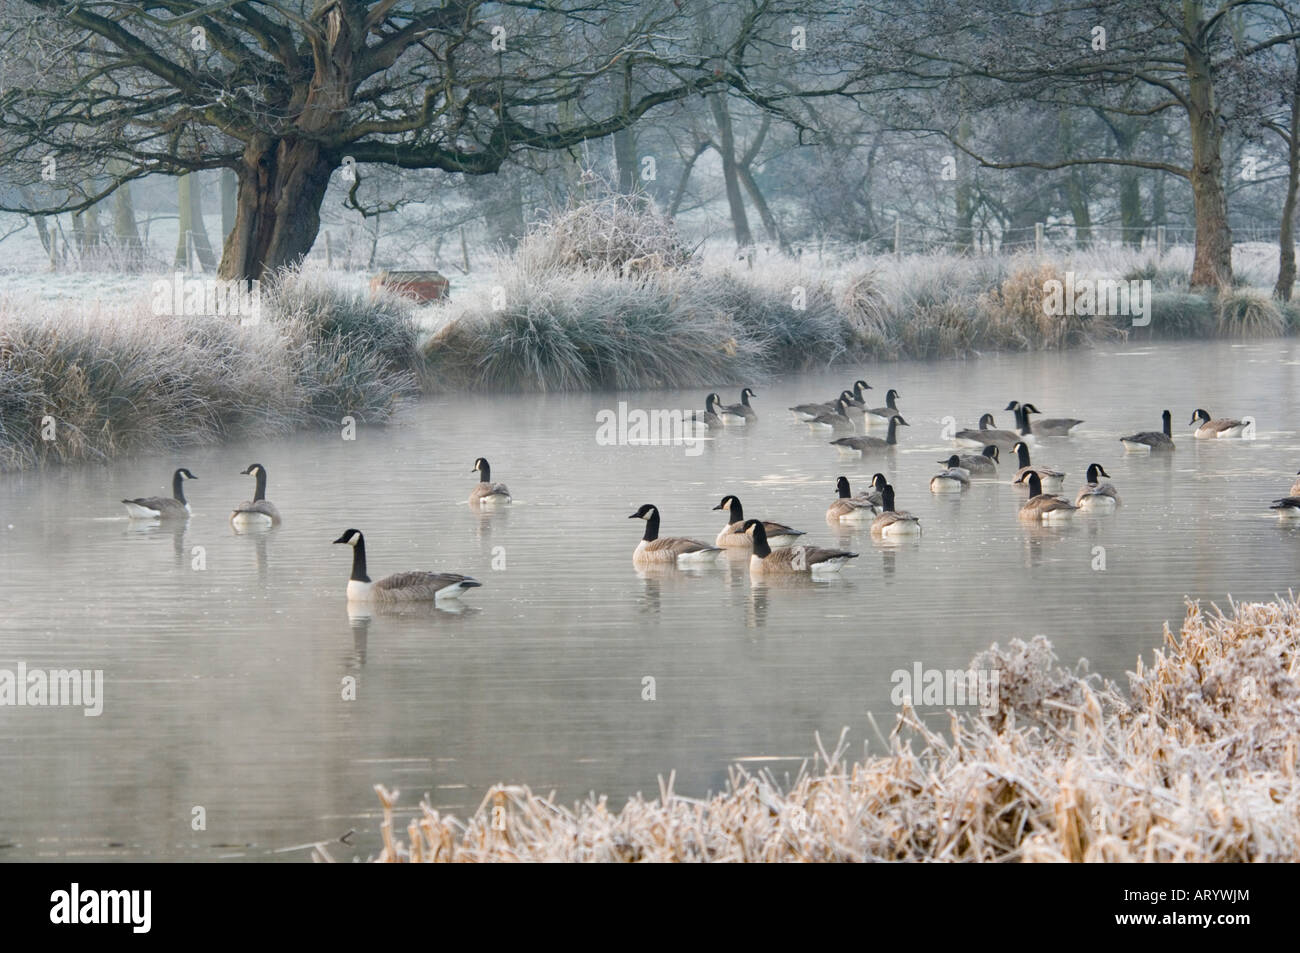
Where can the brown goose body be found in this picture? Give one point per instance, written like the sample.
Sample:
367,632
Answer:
795,559
656,550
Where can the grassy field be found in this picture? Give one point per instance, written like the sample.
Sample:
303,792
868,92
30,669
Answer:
1196,761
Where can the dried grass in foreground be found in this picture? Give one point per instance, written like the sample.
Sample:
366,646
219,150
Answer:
1196,764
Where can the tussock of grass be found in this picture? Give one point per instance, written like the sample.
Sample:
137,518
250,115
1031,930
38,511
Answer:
137,381
1197,762
1181,315
561,330
609,230
1246,313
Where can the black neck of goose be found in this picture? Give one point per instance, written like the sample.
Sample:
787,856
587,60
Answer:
178,487
1093,476
761,548
1035,485
1168,425
737,512
651,527
1022,418
485,473
1023,453
359,562
744,398
887,498
844,491
260,492
893,431
988,451
889,401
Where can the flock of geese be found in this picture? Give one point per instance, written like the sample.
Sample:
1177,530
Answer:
776,548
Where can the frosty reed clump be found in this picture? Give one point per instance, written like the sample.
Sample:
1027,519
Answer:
76,387
1196,762
606,294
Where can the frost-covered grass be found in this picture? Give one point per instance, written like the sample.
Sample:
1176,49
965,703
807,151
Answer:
1196,762
601,295
77,385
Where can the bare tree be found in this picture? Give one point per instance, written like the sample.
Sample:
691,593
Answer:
285,94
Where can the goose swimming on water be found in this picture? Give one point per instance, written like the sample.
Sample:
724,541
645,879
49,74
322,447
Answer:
796,559
977,464
1209,429
733,534
1151,439
668,550
403,586
259,511
161,507
857,446
1095,494
485,492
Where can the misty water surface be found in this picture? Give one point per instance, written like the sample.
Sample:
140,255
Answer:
223,685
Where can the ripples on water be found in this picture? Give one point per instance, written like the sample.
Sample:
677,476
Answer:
223,686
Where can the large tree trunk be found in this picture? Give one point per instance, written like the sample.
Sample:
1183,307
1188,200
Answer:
282,181
282,184
727,146
1212,264
1286,241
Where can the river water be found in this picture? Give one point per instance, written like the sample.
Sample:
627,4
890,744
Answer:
229,727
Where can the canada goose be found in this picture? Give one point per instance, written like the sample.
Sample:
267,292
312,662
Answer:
710,418
1151,439
1288,508
848,508
1050,479
485,492
259,511
1044,507
952,480
733,534
809,559
977,463
1048,426
731,416
879,416
892,522
859,393
837,419
1222,427
985,434
857,446
161,507
1097,495
741,410
675,550
400,586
